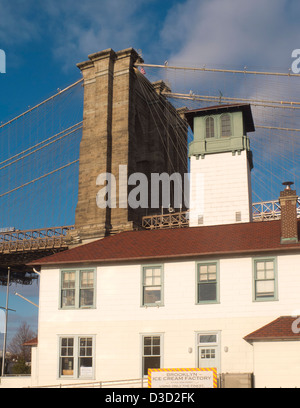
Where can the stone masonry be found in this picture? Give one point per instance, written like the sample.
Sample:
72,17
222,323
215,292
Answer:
126,121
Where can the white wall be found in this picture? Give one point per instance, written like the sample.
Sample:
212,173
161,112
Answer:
118,320
277,364
16,382
225,189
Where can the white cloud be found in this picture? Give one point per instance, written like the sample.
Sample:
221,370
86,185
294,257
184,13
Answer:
232,32
93,25
73,29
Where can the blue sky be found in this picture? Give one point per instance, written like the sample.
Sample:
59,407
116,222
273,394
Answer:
43,41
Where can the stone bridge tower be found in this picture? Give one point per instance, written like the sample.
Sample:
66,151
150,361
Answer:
126,121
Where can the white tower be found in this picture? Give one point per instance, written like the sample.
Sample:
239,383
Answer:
220,165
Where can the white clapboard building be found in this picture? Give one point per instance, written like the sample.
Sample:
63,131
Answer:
222,293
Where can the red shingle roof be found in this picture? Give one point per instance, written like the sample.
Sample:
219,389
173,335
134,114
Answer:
251,238
32,342
279,329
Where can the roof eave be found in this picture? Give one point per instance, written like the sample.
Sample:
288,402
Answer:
244,107
180,256
267,339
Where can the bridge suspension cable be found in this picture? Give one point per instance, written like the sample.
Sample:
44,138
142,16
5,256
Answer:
277,128
161,116
276,152
219,99
39,155
39,146
214,98
42,103
39,178
230,71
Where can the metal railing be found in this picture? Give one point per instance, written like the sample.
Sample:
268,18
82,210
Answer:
172,220
30,240
12,240
262,211
134,383
130,383
269,210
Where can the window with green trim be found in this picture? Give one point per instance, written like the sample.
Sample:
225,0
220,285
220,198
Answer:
210,127
151,357
76,356
152,286
265,277
207,282
226,125
77,289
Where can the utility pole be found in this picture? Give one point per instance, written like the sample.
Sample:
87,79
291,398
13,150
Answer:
6,318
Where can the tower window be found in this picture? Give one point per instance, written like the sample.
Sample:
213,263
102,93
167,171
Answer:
225,125
210,128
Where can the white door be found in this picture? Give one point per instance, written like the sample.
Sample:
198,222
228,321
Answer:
208,345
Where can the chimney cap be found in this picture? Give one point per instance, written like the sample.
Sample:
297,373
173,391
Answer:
288,184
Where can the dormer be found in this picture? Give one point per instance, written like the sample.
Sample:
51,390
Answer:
221,128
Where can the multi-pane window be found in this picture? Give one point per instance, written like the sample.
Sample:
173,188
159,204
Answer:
207,282
67,356
264,279
151,352
85,356
225,125
210,127
86,288
68,288
77,288
208,353
76,357
152,288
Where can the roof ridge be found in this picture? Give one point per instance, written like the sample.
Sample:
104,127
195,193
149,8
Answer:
214,240
272,331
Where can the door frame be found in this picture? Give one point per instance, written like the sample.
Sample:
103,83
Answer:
216,344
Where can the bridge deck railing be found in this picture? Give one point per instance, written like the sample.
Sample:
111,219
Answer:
28,240
46,238
262,211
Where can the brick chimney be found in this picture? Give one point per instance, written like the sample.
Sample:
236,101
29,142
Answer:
288,202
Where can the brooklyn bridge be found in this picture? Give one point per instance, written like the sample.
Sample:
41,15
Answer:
52,153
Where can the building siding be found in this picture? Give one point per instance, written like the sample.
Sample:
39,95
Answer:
118,320
225,189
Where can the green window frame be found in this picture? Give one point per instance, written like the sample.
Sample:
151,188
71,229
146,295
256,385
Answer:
77,288
225,125
207,282
209,127
152,291
265,285
151,352
77,357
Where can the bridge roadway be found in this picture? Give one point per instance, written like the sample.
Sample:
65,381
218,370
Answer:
17,248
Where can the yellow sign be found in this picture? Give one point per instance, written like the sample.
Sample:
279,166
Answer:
182,378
